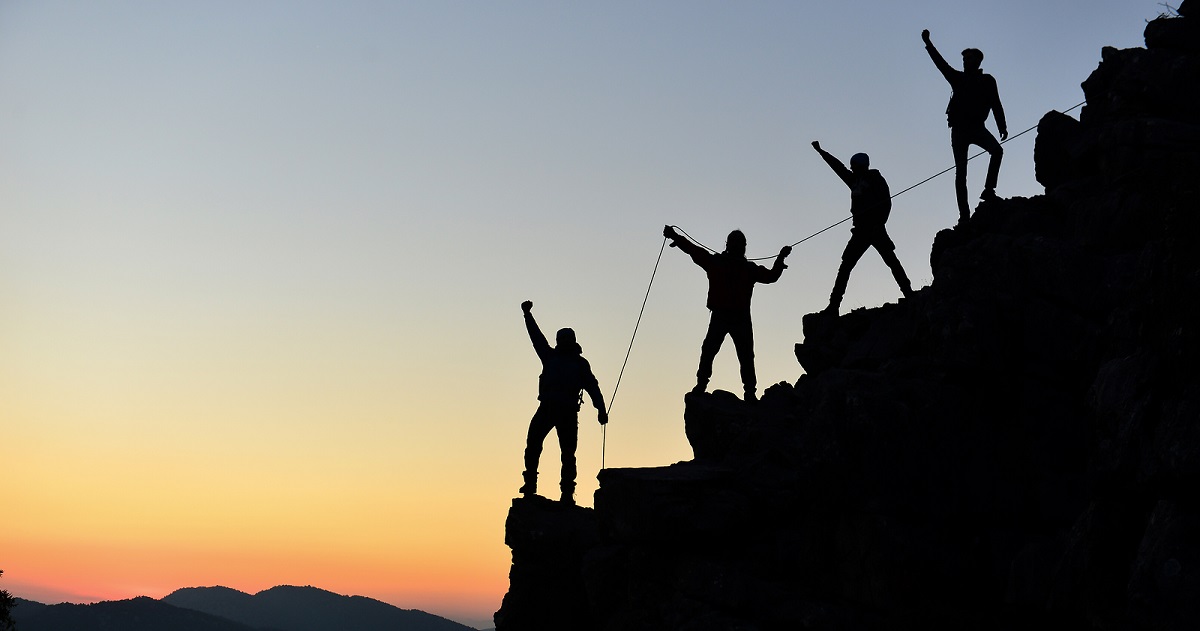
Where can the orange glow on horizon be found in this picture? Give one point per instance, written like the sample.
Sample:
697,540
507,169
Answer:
88,573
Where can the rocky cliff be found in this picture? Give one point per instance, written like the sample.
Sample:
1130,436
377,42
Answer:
1016,446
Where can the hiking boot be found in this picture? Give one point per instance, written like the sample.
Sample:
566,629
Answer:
700,388
529,489
568,498
750,397
988,194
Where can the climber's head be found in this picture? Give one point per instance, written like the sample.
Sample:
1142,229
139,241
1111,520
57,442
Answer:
972,58
860,163
735,243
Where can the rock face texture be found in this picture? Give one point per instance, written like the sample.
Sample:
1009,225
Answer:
1017,446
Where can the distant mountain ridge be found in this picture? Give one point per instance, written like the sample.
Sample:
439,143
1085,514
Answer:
136,614
282,608
290,608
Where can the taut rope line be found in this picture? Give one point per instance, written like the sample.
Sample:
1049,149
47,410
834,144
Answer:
942,172
613,398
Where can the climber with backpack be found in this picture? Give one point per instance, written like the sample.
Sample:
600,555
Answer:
565,375
974,97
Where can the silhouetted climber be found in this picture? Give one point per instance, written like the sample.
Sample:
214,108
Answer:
731,281
565,373
870,205
974,96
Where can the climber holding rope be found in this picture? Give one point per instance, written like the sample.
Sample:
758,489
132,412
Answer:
564,374
731,281
672,234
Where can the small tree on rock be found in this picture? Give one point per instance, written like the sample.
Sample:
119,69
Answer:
7,602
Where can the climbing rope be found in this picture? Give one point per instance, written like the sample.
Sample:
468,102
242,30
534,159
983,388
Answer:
663,247
613,398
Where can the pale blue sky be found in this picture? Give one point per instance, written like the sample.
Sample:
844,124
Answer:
236,206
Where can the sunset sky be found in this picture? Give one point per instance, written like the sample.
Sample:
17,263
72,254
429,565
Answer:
261,263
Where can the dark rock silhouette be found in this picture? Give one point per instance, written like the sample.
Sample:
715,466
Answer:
548,541
1017,446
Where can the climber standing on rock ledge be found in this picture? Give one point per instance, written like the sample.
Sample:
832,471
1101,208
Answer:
731,281
870,205
975,95
565,374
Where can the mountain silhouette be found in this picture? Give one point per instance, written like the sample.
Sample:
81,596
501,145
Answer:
289,608
136,614
1015,446
282,608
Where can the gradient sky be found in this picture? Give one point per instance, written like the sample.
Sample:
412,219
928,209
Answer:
261,262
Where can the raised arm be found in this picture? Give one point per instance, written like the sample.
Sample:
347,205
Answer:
939,61
835,164
540,345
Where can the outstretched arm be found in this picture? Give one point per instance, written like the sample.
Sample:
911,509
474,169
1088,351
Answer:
939,61
540,345
679,241
835,164
772,275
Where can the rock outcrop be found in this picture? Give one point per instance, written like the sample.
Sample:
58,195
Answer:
1016,446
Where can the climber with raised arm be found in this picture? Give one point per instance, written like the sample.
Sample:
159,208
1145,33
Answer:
870,206
974,96
565,376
